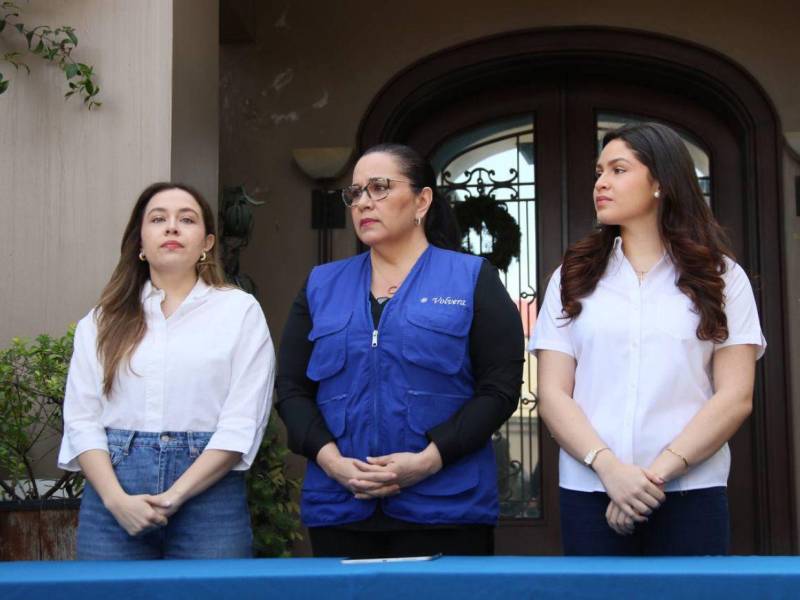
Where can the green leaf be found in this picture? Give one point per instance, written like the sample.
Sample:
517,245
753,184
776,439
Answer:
71,70
2,24
39,47
89,87
3,84
72,37
29,37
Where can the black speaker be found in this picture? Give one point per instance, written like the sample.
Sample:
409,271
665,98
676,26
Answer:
327,210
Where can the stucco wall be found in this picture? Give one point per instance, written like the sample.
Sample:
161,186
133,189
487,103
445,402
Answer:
195,95
69,177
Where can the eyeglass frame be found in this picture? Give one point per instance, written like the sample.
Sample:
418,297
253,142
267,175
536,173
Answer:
365,189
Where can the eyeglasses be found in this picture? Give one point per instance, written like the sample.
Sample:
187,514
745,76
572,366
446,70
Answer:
377,188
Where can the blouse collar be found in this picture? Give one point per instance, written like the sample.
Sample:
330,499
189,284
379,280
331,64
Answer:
200,290
617,257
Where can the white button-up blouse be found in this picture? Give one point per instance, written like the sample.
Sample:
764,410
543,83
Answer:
641,373
209,367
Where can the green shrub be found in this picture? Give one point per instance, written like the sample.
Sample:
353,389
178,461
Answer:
32,380
271,493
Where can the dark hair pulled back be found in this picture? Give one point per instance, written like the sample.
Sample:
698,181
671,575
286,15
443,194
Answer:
441,227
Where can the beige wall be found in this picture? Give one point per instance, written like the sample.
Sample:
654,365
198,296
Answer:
68,177
195,95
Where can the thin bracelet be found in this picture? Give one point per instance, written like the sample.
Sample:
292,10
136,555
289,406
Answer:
681,456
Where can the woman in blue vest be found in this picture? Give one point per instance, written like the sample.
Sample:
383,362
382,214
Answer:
396,366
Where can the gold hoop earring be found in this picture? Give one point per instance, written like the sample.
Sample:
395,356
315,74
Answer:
142,257
417,221
203,257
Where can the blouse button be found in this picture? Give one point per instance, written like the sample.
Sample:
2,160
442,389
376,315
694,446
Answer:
165,438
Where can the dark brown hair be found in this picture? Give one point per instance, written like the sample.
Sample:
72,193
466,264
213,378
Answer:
120,316
693,239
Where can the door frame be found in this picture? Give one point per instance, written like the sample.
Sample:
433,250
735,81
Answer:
671,65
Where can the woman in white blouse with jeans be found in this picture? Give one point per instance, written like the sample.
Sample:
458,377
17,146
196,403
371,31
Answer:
168,394
646,343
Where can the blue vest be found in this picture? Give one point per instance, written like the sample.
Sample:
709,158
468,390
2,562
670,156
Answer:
381,389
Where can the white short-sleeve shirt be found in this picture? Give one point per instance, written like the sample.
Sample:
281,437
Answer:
641,373
209,367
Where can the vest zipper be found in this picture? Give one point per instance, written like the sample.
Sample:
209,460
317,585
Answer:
374,338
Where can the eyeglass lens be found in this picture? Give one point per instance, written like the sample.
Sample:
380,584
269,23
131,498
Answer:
376,189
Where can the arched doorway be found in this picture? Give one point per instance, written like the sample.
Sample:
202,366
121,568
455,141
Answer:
563,86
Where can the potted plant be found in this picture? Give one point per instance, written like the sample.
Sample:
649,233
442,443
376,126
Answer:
37,516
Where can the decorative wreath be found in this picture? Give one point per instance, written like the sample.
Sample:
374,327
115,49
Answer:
477,212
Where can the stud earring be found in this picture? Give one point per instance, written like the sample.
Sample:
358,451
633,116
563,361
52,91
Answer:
657,194
142,257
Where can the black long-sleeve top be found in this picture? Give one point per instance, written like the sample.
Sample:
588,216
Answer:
496,346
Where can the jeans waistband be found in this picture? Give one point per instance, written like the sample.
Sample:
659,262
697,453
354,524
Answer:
126,438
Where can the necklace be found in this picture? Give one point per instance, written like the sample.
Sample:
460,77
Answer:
391,289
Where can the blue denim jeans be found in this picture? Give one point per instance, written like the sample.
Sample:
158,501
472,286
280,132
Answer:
691,523
213,524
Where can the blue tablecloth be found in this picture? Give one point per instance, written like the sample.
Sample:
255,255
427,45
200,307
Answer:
510,578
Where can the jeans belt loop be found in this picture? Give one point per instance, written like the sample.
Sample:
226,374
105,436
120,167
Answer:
127,445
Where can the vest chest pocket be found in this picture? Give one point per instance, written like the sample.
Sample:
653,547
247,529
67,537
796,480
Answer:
330,347
436,337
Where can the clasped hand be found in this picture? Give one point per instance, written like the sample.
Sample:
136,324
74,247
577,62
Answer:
635,493
381,475
140,513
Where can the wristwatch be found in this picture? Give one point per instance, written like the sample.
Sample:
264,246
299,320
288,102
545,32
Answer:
588,460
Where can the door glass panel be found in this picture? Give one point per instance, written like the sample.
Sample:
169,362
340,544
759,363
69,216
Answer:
497,160
702,168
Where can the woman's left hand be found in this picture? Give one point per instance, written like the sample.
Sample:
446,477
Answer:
167,503
618,520
410,468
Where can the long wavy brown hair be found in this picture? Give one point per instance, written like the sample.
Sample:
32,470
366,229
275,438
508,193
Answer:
693,239
120,315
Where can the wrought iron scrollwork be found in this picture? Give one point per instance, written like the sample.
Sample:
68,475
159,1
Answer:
485,183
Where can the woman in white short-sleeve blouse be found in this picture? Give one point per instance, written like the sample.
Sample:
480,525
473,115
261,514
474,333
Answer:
646,344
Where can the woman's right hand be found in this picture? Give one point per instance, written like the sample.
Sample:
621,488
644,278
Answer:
135,514
362,479
635,490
